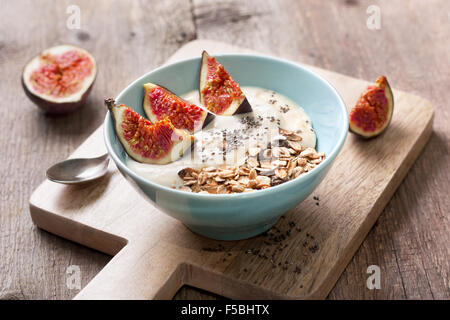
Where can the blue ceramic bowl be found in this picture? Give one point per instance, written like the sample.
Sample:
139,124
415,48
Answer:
239,216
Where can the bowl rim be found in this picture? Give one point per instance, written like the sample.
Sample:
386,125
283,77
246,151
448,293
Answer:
246,195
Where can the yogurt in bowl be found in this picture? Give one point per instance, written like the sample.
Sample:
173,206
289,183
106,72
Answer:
226,141
241,215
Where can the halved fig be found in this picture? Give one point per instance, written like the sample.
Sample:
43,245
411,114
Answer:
159,103
60,78
145,142
373,110
219,93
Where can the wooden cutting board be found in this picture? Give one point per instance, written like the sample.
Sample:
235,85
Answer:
301,258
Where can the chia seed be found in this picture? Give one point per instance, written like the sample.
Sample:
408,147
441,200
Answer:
314,248
219,248
285,109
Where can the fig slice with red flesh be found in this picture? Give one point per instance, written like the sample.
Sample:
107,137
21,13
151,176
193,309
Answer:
373,110
146,142
160,103
219,93
60,78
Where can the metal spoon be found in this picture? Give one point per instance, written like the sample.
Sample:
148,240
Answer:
80,170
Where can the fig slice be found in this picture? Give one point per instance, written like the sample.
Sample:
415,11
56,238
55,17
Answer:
60,78
373,110
219,93
160,103
146,142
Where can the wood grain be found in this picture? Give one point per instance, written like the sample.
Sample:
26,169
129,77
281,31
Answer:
410,240
317,239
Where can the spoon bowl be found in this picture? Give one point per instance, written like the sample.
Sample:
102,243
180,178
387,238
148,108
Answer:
81,170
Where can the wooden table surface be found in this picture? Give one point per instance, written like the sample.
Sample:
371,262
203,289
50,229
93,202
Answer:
410,241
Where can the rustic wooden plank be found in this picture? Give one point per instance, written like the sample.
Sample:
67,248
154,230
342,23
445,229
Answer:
411,48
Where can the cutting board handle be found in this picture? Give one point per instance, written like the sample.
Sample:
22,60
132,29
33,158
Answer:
136,273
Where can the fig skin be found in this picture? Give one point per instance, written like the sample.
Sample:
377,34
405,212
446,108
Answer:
53,107
381,82
208,116
177,148
244,106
